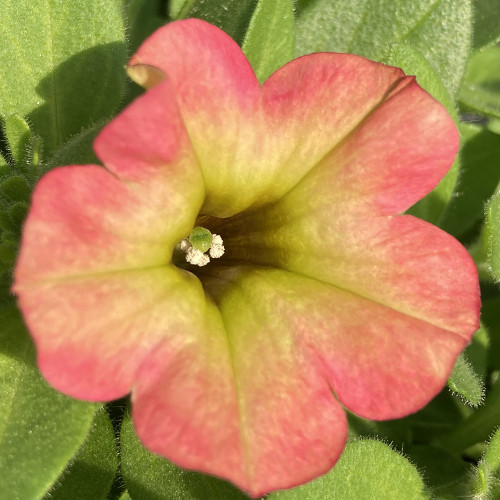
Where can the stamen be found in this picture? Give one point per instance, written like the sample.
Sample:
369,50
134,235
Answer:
217,248
199,241
196,257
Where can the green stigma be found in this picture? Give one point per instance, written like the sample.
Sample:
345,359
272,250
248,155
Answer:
200,238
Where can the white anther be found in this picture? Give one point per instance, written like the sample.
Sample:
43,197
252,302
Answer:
196,257
217,247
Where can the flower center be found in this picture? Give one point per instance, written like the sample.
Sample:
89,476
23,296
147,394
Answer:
196,244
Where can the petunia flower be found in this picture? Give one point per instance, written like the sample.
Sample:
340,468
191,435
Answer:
325,297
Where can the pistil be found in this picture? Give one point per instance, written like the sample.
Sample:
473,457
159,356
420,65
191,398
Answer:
197,243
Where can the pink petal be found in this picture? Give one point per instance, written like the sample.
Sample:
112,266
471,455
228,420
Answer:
382,363
148,142
314,103
93,333
389,157
228,394
244,401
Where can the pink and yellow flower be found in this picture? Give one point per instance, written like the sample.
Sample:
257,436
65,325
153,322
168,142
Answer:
325,298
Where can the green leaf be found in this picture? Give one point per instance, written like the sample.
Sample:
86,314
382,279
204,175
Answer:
439,29
77,151
143,17
396,432
18,136
486,481
151,477
486,23
270,39
6,298
367,469
232,16
62,64
478,426
465,382
24,147
477,352
490,312
494,125
492,234
413,62
17,214
8,252
445,473
479,175
480,89
90,473
175,7
4,166
6,223
16,188
40,429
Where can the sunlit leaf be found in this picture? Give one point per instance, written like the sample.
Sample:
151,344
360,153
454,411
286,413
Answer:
440,30
40,429
270,39
64,69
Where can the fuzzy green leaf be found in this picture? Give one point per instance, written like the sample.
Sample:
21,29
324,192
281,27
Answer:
18,135
485,483
479,175
175,7
17,214
490,312
233,16
478,426
5,221
464,381
40,429
8,252
90,473
367,469
445,473
477,352
480,89
62,64
23,147
143,17
77,151
16,188
440,30
151,477
396,432
270,39
492,234
486,23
